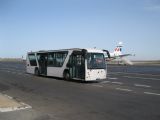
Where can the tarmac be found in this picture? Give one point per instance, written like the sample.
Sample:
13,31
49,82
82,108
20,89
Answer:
128,93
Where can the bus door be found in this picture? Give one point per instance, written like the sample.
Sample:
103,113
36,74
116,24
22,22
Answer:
77,65
42,60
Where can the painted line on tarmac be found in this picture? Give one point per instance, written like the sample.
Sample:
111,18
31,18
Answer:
140,85
14,72
5,71
103,82
8,69
20,73
97,86
119,83
112,78
142,78
134,73
26,74
150,93
122,89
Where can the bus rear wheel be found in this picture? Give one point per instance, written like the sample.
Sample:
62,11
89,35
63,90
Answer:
66,75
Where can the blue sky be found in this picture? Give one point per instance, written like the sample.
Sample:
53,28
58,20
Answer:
27,25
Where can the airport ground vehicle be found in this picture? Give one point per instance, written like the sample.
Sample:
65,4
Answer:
78,64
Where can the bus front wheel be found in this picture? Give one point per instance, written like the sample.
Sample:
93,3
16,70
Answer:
66,75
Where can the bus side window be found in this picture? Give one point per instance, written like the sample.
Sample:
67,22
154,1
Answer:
56,59
32,59
50,60
60,58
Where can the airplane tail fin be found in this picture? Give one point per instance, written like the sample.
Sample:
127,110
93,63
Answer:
118,49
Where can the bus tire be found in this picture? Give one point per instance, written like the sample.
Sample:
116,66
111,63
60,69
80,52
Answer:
66,75
36,72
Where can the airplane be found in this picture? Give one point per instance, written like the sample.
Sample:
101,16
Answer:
118,56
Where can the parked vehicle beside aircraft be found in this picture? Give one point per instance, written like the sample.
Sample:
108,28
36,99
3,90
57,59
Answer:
77,64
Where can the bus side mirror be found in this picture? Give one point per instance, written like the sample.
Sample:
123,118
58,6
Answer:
109,56
84,52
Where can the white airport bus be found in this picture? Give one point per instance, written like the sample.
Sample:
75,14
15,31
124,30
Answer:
78,64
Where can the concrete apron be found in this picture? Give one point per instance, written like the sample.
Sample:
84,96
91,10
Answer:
8,104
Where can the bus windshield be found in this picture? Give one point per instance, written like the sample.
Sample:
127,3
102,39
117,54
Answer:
96,61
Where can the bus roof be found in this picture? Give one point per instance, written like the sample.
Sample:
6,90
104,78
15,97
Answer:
90,50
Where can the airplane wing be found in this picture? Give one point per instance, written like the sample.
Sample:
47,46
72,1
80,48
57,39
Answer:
122,58
119,56
126,61
125,55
